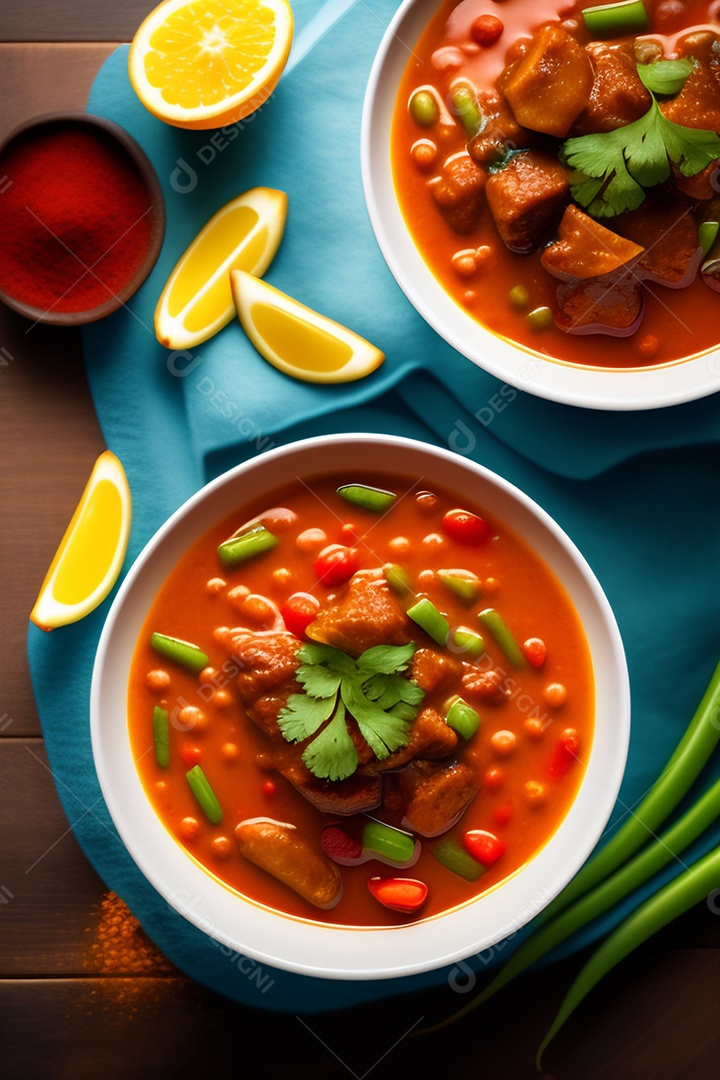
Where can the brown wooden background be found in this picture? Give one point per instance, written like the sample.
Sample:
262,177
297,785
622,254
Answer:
83,994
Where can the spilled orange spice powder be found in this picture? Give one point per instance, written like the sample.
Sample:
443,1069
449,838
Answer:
124,957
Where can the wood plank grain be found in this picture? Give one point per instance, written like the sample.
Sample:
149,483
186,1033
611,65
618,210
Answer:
38,78
50,433
173,1027
49,893
73,20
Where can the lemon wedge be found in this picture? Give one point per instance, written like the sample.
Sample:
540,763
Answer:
197,299
209,63
297,340
87,563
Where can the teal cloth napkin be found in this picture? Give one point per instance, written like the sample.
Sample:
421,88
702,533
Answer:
633,491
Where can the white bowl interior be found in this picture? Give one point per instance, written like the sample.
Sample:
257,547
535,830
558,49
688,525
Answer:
300,945
572,384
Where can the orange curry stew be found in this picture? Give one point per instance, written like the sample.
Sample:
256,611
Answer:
532,199
361,704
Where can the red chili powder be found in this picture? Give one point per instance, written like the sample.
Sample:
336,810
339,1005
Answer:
74,218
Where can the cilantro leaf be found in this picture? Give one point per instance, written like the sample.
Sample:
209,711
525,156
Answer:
388,690
303,715
665,76
381,700
612,169
382,731
332,755
313,652
318,681
692,149
386,659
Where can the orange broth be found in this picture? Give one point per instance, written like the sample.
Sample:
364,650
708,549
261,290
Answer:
233,752
680,322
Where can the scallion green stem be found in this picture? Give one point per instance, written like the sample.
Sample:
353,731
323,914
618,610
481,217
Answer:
677,897
578,904
684,766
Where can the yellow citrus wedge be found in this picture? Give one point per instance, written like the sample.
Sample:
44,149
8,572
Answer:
197,300
209,63
297,340
87,563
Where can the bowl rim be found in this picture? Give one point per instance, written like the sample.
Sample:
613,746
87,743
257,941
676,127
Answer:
612,389
303,946
145,172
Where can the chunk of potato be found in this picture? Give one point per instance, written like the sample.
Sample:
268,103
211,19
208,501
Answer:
550,84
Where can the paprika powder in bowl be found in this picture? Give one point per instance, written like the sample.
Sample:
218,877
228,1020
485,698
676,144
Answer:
82,218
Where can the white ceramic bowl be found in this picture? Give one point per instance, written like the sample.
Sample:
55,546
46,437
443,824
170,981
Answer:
572,384
301,945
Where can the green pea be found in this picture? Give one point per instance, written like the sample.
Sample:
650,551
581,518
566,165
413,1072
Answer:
540,318
519,297
424,108
468,111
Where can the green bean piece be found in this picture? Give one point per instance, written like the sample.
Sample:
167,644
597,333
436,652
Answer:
370,498
463,583
427,616
246,545
467,110
161,736
682,893
206,797
616,20
398,579
497,626
462,718
393,844
540,318
611,891
184,653
467,642
424,108
453,857
687,760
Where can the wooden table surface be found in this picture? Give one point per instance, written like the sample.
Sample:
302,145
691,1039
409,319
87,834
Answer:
83,993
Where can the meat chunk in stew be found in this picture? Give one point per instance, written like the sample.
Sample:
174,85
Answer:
525,199
368,613
458,193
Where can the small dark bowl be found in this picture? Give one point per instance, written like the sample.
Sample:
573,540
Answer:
107,132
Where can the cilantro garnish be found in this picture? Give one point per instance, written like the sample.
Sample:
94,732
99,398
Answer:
613,168
371,689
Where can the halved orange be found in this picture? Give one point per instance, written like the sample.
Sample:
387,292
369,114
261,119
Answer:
197,299
88,561
209,63
297,340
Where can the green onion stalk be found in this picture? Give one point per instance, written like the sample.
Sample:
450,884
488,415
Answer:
614,873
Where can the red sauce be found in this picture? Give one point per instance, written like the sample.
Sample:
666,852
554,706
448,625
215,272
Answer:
523,795
677,324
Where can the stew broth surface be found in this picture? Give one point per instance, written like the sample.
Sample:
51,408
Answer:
518,798
678,323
